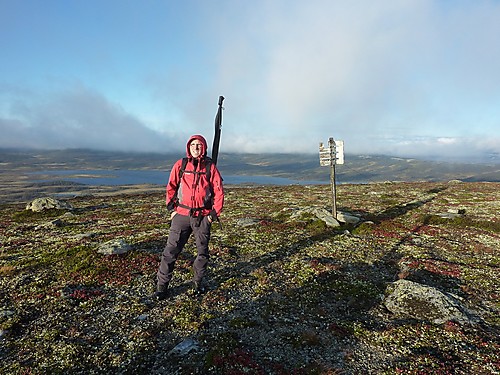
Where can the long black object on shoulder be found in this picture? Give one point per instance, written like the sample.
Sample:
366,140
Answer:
218,128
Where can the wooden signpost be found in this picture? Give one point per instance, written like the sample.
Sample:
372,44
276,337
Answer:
330,156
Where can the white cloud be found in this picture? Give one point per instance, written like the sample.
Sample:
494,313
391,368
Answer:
366,67
413,77
77,118
448,141
465,149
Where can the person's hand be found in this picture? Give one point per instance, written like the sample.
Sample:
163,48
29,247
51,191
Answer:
173,214
212,216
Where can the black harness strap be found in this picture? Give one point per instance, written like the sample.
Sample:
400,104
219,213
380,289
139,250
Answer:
208,164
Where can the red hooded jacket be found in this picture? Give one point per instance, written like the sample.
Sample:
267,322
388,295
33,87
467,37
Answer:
192,190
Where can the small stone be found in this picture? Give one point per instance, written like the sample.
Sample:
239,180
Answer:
246,222
6,313
184,347
344,217
81,236
449,215
57,223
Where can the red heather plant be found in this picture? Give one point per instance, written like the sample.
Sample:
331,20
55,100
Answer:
85,294
238,362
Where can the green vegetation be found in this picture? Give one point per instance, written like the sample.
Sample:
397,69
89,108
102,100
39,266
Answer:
285,296
464,222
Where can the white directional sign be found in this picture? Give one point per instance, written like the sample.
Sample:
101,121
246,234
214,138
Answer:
332,154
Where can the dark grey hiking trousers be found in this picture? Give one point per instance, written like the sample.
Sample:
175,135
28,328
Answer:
180,230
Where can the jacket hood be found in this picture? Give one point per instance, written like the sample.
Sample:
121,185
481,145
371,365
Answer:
203,142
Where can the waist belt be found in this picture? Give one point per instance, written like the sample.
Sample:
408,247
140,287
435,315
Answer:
192,210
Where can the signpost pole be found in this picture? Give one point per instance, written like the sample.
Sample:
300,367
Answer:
333,156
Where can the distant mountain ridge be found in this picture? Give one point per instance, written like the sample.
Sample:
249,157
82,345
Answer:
356,169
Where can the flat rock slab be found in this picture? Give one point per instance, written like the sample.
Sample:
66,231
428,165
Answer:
247,222
408,299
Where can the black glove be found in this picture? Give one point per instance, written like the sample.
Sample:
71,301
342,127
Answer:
213,215
171,206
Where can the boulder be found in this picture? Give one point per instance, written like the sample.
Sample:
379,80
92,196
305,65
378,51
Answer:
47,203
114,247
408,299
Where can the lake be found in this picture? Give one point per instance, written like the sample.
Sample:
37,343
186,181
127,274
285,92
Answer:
137,177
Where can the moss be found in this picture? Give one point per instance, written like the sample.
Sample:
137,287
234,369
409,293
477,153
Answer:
241,322
187,315
463,222
27,216
363,229
230,283
298,272
10,323
305,338
65,261
281,216
360,290
316,226
7,270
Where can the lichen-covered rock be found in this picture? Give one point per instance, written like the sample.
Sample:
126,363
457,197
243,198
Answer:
320,213
408,299
114,247
47,203
246,222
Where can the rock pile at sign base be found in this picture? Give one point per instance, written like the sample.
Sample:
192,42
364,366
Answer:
48,203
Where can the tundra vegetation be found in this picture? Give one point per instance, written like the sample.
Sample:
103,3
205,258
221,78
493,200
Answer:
287,294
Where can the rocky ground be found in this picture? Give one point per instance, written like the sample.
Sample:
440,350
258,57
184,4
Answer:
287,294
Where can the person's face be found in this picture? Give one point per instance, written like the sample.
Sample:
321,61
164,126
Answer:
195,147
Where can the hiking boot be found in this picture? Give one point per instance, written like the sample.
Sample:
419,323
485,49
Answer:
198,287
161,293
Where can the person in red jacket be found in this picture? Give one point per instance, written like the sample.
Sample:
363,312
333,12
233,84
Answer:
195,196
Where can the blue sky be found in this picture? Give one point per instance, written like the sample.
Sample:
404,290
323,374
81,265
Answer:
412,78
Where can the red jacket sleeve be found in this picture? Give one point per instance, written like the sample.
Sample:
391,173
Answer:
173,182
